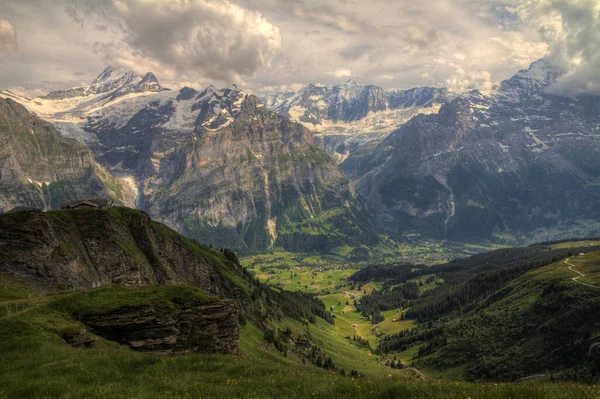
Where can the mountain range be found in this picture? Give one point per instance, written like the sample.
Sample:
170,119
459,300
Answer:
512,165
217,165
322,168
350,115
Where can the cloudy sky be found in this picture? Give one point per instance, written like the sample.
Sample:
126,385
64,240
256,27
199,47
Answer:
272,45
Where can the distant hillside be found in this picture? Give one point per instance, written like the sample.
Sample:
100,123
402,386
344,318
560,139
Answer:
515,165
502,315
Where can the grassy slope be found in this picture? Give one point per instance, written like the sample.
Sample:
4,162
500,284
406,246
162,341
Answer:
504,339
36,362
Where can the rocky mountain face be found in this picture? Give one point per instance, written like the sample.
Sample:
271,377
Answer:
222,168
351,115
516,164
39,168
319,104
217,164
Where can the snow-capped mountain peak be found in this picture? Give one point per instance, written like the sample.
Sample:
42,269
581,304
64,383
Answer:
114,82
538,77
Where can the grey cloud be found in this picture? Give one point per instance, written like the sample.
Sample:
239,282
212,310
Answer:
8,37
356,51
209,39
575,44
274,43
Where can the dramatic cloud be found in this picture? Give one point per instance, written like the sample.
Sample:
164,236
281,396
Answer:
213,39
8,37
572,30
266,45
400,44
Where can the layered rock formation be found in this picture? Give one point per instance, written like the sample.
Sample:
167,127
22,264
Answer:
204,326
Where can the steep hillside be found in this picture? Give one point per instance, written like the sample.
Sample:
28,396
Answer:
39,168
541,322
91,248
517,164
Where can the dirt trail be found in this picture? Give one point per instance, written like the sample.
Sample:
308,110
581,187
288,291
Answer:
576,279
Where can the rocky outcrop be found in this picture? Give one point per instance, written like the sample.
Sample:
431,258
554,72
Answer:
198,327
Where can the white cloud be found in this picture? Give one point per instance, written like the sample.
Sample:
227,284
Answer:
571,28
264,44
8,37
341,73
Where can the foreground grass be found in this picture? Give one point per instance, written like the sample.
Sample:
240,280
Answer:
109,371
37,363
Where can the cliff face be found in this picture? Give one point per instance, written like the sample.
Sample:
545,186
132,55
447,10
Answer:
39,168
253,182
199,326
